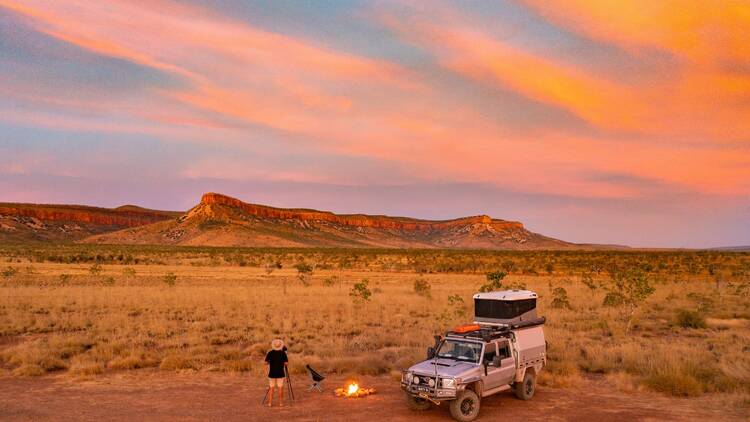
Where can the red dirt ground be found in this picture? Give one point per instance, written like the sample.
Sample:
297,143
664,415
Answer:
210,396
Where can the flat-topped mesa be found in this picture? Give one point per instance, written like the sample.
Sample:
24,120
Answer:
85,214
354,220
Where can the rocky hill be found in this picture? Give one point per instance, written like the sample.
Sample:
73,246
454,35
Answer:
219,220
34,222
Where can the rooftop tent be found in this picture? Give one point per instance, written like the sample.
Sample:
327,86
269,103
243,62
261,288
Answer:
505,307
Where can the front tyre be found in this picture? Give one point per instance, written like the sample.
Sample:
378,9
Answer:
466,406
416,403
526,388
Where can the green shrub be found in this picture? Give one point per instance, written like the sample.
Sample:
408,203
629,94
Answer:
9,271
360,292
170,279
95,269
614,299
494,281
456,303
422,287
304,271
560,299
690,319
516,285
674,383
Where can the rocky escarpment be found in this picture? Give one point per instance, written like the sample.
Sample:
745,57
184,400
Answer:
353,220
220,220
126,216
28,222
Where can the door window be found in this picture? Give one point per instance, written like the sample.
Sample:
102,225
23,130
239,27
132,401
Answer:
504,350
489,352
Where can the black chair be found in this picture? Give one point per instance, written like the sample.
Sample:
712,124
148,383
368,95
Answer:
317,379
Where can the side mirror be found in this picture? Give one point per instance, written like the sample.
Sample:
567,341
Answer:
430,352
496,361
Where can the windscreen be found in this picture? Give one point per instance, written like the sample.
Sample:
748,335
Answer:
460,350
502,309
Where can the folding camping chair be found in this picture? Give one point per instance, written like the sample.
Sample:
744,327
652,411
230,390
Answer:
317,379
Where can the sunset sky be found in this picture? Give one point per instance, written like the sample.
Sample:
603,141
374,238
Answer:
588,120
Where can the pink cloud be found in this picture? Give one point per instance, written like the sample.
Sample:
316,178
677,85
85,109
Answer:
682,133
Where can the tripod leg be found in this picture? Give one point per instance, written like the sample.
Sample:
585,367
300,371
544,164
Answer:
289,383
266,396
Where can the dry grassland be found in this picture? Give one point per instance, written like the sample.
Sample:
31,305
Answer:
690,337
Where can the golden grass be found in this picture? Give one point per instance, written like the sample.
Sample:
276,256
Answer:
223,318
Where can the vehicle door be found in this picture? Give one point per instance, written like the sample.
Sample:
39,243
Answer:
507,370
494,375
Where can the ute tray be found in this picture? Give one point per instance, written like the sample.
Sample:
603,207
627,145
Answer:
491,332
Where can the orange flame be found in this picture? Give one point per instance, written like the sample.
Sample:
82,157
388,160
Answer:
352,389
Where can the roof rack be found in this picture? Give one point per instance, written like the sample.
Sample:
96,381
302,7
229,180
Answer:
488,332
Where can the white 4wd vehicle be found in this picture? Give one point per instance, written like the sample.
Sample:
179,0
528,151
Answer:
503,349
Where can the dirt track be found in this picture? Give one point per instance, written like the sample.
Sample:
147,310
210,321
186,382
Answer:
185,397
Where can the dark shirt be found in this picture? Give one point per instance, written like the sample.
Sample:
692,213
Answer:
276,360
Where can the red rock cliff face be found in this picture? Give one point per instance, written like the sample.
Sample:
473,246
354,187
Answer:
82,214
354,220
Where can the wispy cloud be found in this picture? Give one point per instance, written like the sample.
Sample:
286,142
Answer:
459,99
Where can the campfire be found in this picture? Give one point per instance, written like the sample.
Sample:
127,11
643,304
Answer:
354,390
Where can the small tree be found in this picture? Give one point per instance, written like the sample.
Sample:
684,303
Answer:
509,266
560,299
170,279
456,303
304,272
516,285
9,271
95,269
630,288
422,288
360,292
588,280
271,266
550,268
494,281
64,278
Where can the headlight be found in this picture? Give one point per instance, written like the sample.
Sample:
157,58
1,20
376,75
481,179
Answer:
431,382
449,383
415,380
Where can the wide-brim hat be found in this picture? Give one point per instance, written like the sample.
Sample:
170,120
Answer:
277,344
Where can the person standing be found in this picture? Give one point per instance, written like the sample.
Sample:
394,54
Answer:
277,361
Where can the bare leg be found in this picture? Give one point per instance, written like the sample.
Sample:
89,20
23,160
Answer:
270,398
281,396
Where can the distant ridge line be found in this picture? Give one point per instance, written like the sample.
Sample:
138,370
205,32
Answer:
354,220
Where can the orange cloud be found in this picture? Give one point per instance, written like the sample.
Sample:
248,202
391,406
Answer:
233,77
706,95
699,30
694,101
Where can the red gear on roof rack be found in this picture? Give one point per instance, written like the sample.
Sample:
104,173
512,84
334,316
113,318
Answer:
467,328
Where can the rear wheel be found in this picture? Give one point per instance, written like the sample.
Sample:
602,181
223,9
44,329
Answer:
417,403
525,389
466,406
